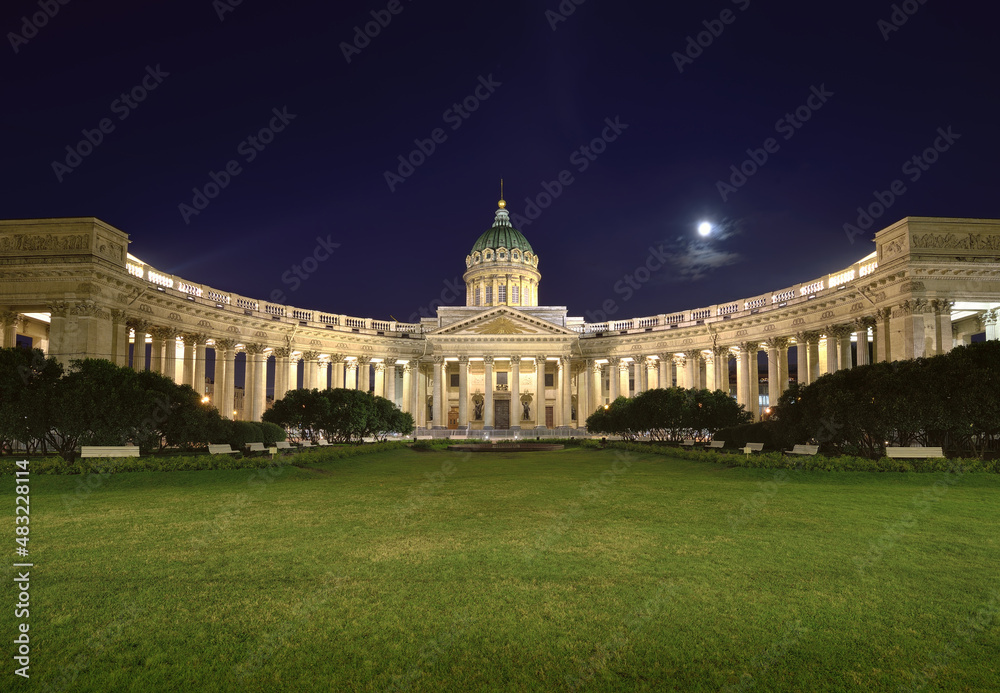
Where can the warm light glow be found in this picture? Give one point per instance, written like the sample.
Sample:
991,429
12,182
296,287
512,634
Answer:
205,399
704,228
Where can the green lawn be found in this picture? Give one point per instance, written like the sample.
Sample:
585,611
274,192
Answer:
573,570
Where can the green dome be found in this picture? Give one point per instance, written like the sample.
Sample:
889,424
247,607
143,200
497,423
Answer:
503,237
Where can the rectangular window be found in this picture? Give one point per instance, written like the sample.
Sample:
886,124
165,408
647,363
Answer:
489,295
501,378
479,297
514,291
454,379
550,380
502,293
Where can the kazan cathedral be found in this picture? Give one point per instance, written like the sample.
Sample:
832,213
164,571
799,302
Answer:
502,363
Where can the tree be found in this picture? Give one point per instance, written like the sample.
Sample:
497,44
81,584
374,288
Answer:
27,384
301,411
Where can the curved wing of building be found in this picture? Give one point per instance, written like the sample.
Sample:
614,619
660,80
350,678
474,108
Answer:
502,361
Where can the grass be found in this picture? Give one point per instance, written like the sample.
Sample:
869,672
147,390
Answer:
572,570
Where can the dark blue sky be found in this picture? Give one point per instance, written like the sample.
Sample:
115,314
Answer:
886,92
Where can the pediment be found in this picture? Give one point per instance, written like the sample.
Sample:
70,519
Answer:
503,321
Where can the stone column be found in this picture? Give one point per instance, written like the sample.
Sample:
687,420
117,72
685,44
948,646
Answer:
831,348
352,374
743,379
187,367
782,343
613,380
941,309
408,390
861,326
257,391
293,370
638,365
337,364
691,371
652,380
310,367
540,391
200,365
119,337
248,384
390,380
488,387
566,369
583,396
380,379
364,373
883,343
722,355
812,344
463,391
843,333
754,377
160,335
222,392
623,388
437,393
774,386
323,375
281,369
170,356
991,324
664,363
515,392
596,386
10,320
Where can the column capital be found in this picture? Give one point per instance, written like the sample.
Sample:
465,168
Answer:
777,343
118,315
364,360
255,348
225,344
883,313
750,347
863,323
807,337
463,360
437,359
721,351
488,360
407,367
515,359
990,317
194,339
380,367
388,362
595,366
941,305
337,358
163,333
282,352
838,331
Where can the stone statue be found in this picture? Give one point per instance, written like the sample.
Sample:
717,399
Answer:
526,406
477,406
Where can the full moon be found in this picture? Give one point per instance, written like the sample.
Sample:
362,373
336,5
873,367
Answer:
704,228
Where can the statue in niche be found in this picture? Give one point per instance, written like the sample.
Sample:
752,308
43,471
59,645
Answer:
526,406
430,407
477,406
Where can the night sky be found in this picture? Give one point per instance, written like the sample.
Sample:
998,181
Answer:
515,89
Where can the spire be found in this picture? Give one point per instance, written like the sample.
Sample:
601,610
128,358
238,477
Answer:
502,217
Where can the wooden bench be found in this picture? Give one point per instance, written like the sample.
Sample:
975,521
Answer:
109,451
803,450
687,443
256,447
306,444
914,452
717,444
322,443
222,450
283,445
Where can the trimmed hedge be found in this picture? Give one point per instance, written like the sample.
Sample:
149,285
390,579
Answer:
188,463
843,463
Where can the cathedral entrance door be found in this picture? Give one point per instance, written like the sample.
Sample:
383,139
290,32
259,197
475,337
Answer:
501,413
548,417
453,418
